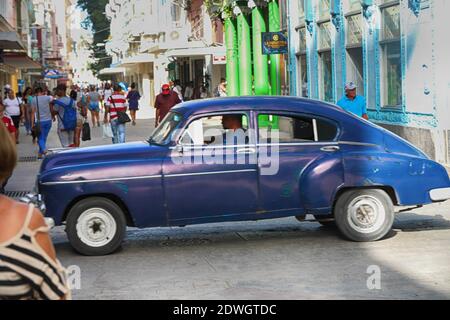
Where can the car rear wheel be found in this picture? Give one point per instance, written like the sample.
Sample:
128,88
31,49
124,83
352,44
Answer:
96,226
364,215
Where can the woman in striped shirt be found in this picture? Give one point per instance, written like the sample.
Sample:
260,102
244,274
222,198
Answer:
28,265
116,103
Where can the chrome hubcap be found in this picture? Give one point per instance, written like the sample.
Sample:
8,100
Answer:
366,214
96,227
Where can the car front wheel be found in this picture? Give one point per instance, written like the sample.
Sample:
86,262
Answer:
364,215
96,226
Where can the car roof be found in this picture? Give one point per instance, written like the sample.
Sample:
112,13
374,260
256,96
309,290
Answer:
276,103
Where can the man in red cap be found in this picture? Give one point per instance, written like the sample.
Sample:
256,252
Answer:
165,101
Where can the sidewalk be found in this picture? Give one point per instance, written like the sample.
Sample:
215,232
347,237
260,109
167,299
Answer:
24,176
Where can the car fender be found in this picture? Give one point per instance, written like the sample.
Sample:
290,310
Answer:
319,182
411,177
130,182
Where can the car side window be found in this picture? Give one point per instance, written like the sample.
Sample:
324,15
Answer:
275,128
216,130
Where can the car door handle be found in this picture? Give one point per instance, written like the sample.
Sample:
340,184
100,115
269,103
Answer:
246,151
330,149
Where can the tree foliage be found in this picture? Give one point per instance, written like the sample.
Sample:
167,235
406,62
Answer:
218,8
100,26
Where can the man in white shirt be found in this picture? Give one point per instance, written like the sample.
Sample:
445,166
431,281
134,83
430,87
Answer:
177,89
189,91
13,109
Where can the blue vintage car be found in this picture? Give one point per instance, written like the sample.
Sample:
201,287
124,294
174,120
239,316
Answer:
234,159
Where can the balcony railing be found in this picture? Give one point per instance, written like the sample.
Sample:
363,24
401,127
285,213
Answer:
198,28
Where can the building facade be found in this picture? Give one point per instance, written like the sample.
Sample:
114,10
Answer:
15,42
155,41
395,50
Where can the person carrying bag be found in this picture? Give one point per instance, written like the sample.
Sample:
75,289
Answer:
36,130
41,119
122,116
117,115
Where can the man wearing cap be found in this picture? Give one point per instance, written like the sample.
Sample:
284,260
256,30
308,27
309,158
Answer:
353,103
165,101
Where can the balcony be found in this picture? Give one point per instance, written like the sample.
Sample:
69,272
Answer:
8,15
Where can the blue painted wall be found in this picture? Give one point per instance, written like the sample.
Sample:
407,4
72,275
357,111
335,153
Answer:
418,69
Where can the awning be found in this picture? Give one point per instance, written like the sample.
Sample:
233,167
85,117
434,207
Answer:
10,40
111,71
200,51
140,58
21,62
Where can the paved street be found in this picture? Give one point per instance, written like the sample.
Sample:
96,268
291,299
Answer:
279,259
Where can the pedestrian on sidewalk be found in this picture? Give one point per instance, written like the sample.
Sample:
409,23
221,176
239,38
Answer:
27,99
29,268
13,107
189,91
107,93
221,90
133,98
94,106
176,87
165,101
8,123
41,119
117,103
6,90
81,117
353,103
65,110
203,92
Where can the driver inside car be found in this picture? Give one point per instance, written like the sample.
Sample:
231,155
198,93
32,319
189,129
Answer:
234,132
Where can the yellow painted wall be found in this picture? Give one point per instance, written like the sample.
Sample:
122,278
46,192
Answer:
13,82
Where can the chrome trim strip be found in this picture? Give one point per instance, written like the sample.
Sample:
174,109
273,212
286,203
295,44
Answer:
298,144
351,143
208,173
189,148
100,180
312,143
246,151
316,133
332,143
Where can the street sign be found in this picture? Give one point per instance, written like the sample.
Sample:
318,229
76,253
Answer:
274,43
52,74
219,59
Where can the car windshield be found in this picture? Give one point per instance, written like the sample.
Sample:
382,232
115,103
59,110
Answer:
163,133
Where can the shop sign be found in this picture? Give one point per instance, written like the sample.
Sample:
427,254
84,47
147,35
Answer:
274,43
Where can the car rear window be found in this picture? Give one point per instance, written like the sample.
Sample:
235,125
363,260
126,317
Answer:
279,128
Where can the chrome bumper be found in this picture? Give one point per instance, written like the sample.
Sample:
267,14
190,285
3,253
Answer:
440,194
38,202
50,222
